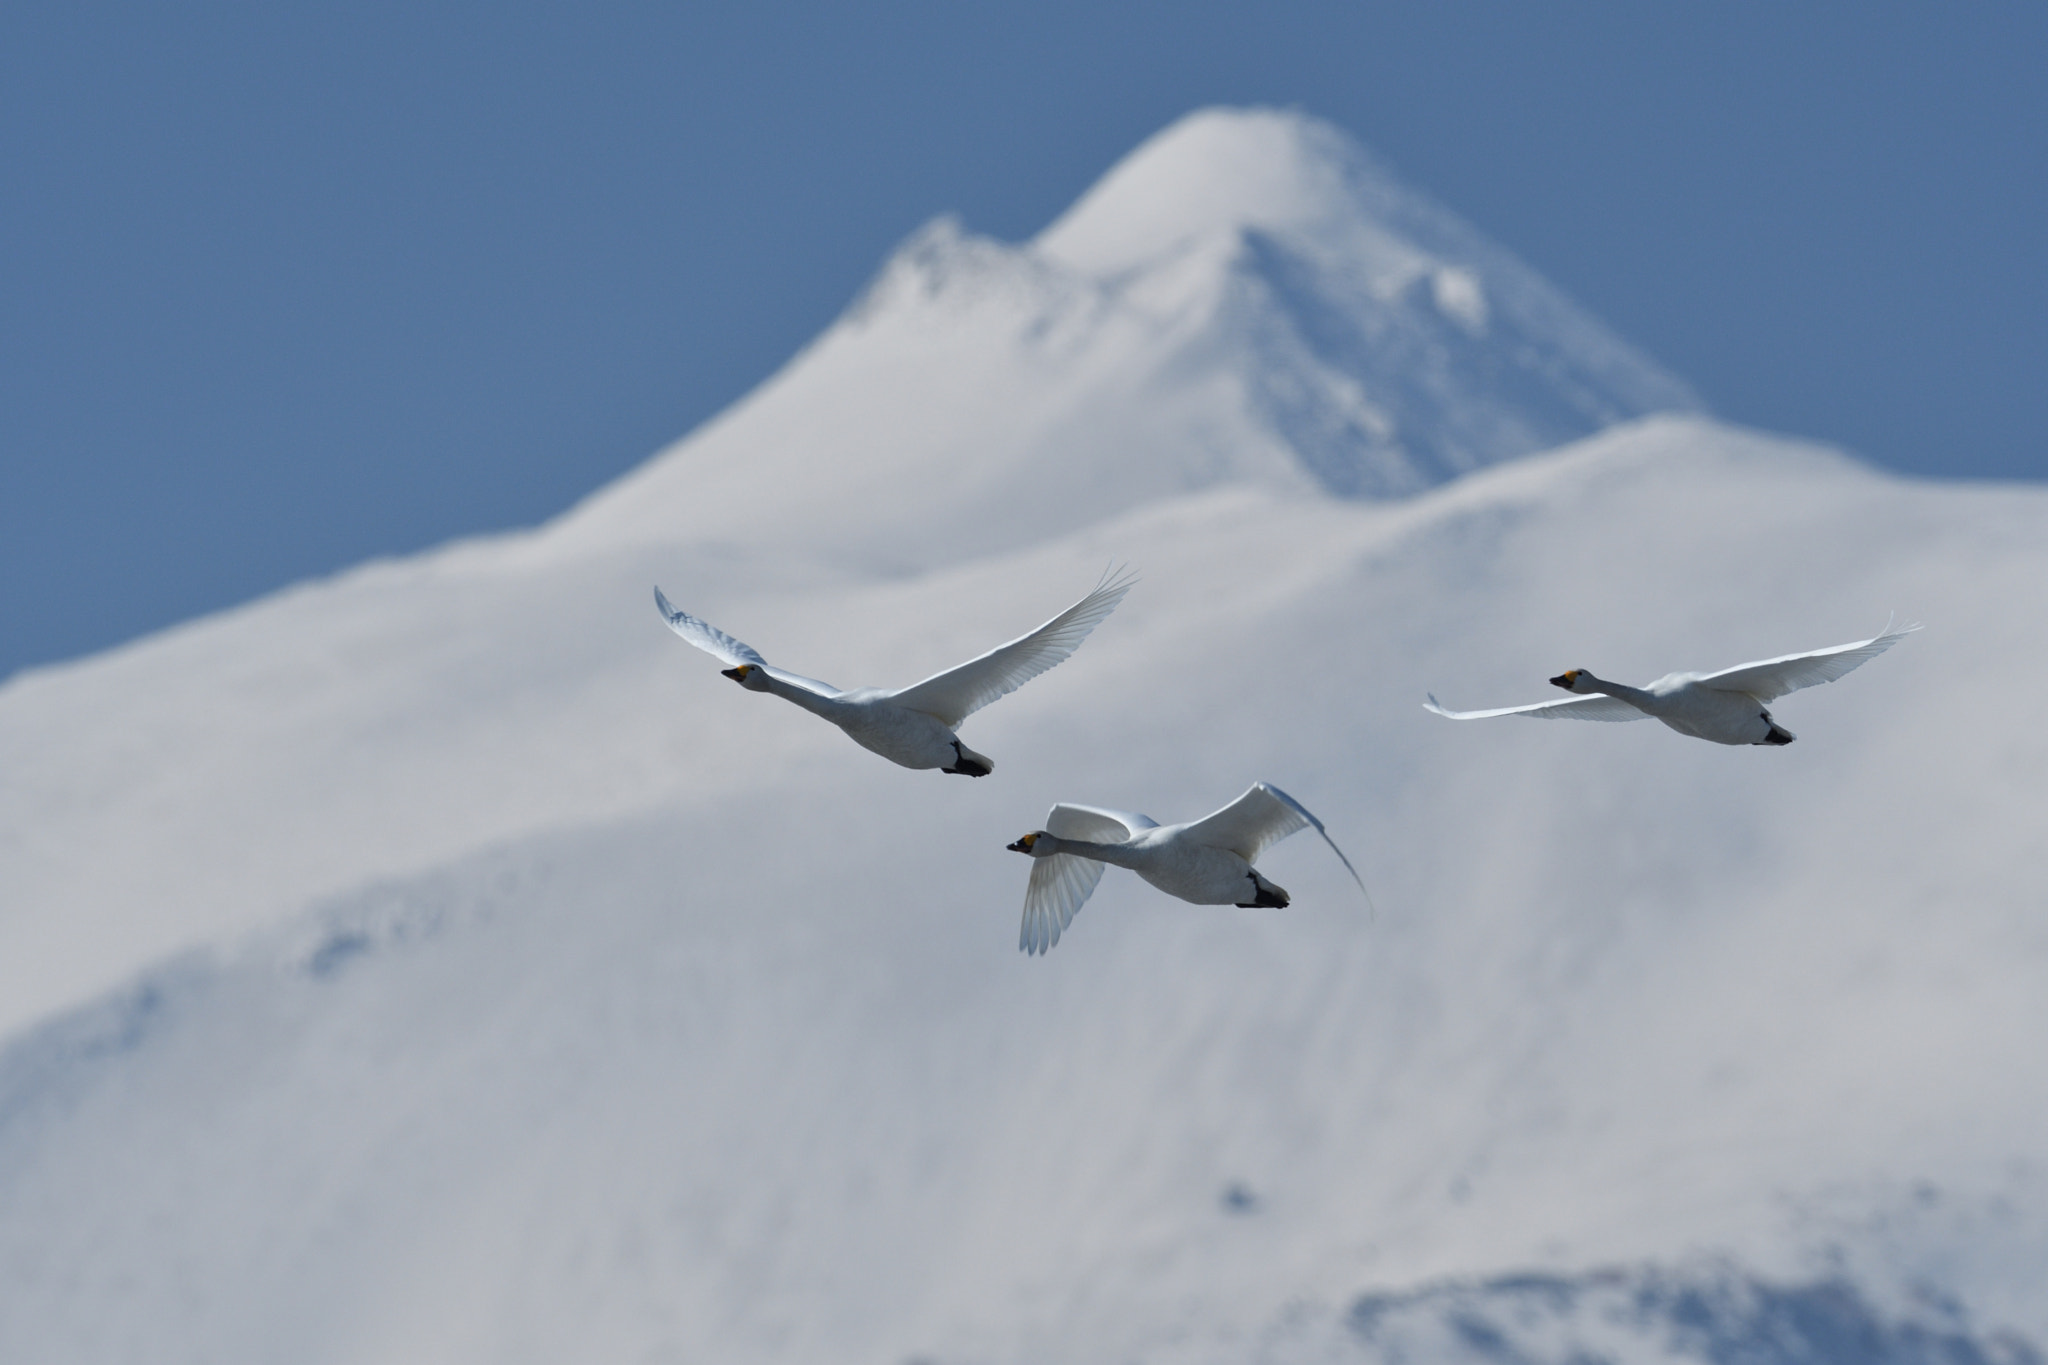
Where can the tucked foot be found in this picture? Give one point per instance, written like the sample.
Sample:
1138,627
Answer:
1265,895
1778,733
967,763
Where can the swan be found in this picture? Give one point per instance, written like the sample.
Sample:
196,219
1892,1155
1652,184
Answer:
1206,861
915,725
1728,707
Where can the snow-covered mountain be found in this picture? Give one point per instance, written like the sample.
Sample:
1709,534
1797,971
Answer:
442,962
1248,297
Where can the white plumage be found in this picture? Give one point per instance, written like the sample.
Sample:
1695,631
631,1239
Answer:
915,725
1207,861
1728,707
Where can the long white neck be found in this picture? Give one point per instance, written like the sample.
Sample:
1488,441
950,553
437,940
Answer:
828,707
1586,682
1120,855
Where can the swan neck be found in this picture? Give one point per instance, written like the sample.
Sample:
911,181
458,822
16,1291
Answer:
804,697
1119,855
1613,689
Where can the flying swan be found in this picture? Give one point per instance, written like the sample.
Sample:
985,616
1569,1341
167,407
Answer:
914,725
1728,707
1208,861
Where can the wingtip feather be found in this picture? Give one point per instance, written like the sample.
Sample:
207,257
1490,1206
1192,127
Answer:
1117,578
1305,813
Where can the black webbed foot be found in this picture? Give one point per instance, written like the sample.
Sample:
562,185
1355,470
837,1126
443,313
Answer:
1265,896
963,766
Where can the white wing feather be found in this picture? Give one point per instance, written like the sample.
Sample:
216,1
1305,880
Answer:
1060,885
957,693
1306,814
1769,679
1251,824
1597,707
717,643
1259,819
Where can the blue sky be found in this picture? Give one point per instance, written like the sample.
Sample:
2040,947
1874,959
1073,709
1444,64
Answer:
286,287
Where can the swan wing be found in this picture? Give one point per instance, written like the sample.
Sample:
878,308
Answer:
718,644
1260,818
1256,821
1305,813
1769,679
1596,706
1096,824
1060,885
1251,824
957,693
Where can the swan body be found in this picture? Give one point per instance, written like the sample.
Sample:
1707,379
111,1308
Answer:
913,726
1206,861
1728,707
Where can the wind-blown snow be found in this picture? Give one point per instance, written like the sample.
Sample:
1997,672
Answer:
513,987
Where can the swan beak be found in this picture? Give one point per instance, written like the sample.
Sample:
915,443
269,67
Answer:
1023,845
738,675
1565,680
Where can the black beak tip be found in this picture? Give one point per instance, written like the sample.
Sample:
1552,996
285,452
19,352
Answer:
1018,847
732,673
1562,681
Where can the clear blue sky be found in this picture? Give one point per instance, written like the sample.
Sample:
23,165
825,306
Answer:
283,287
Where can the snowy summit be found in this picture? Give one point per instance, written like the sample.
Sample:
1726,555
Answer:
1248,296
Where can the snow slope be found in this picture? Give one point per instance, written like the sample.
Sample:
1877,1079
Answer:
512,987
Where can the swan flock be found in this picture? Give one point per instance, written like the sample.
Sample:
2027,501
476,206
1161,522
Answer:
1210,861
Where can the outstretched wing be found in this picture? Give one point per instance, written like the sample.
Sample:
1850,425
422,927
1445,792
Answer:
1306,814
717,643
1060,885
1593,707
957,693
1259,819
1769,679
1251,824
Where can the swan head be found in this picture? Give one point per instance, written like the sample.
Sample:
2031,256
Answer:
1033,845
753,677
1571,679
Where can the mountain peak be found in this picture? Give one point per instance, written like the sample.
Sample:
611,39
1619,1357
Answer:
1216,170
1393,344
1248,297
